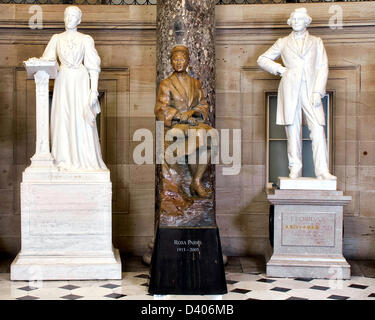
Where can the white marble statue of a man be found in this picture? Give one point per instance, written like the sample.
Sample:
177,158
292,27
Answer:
301,88
75,141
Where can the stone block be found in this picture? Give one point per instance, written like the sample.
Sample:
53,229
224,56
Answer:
66,223
308,228
304,183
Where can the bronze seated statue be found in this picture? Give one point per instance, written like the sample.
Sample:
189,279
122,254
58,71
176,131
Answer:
181,105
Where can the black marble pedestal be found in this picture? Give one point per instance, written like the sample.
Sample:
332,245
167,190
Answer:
187,261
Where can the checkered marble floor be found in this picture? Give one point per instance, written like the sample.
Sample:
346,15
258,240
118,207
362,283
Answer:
241,286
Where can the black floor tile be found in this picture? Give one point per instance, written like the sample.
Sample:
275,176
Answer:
27,298
27,288
319,288
296,298
358,286
71,297
110,286
266,280
337,297
243,291
304,279
115,295
280,289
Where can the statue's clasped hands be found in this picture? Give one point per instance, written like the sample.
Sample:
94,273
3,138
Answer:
187,116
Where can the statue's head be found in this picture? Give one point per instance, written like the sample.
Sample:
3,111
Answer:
180,58
72,17
299,19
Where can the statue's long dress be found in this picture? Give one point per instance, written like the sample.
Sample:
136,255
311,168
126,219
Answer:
75,143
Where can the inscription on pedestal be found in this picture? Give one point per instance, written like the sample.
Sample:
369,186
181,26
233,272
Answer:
187,245
308,229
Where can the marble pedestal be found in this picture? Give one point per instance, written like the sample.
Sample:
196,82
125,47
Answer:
66,227
308,228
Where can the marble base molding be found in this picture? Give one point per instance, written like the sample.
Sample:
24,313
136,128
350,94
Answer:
37,267
308,228
316,267
306,183
66,227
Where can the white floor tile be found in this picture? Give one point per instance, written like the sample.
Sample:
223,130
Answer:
267,295
254,285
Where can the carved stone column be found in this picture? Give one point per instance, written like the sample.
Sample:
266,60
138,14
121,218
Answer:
42,71
42,150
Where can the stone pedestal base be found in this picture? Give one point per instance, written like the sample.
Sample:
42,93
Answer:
66,227
187,261
308,226
319,266
306,183
66,268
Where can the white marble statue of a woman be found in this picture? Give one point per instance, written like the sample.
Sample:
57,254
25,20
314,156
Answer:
75,141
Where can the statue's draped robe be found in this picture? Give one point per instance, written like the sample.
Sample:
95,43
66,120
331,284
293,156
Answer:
75,143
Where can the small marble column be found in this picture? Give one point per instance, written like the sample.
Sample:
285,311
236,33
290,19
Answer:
42,71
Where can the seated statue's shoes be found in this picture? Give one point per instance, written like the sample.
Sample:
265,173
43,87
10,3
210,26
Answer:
327,176
198,189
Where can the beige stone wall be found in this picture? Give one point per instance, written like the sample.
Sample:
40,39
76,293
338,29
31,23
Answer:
125,39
